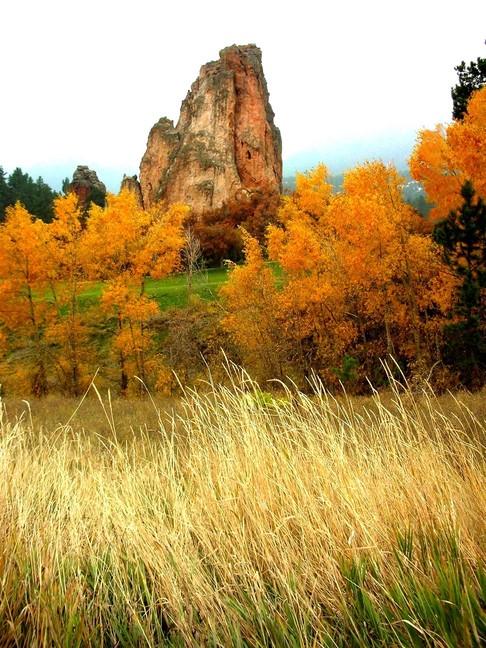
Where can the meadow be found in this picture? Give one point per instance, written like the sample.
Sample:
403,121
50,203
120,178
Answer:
169,291
232,517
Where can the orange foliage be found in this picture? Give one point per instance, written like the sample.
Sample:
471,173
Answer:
43,268
253,303
313,301
350,274
123,244
24,269
124,238
390,264
68,332
359,277
444,158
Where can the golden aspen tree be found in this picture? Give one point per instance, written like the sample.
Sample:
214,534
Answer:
24,271
252,301
393,268
313,301
123,245
68,332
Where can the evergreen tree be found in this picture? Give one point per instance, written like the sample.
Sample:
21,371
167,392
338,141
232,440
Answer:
36,196
463,238
42,200
471,78
5,194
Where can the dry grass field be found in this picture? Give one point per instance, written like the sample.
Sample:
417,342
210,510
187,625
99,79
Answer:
231,518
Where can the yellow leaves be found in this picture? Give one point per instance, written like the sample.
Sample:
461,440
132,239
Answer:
64,236
310,199
114,235
312,191
434,164
130,245
24,269
67,218
298,249
164,241
252,278
467,139
121,244
128,239
166,381
130,341
23,255
252,320
124,298
357,273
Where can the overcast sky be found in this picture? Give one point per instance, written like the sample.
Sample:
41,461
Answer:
83,82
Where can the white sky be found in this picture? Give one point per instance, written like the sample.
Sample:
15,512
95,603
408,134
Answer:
85,81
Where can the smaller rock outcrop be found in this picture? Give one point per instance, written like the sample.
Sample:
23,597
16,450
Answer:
132,184
88,187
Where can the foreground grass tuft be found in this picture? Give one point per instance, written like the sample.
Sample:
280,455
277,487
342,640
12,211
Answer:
307,521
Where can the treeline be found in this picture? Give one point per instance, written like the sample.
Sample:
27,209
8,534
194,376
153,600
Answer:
334,285
36,196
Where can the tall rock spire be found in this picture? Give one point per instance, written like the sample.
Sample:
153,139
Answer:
225,145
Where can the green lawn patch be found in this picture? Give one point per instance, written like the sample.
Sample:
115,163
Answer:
169,291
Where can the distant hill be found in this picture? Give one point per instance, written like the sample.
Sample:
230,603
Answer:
395,148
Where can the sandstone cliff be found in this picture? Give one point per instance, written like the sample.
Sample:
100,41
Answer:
225,145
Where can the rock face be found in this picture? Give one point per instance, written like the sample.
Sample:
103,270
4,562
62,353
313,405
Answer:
87,186
225,145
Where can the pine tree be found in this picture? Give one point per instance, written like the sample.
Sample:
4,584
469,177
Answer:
471,78
5,194
463,238
36,196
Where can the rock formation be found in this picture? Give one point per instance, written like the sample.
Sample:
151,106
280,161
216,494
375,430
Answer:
132,184
225,145
87,186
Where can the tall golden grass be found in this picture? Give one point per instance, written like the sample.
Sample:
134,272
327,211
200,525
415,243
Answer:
247,520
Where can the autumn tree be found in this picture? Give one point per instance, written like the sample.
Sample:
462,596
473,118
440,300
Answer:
252,319
393,270
445,158
362,277
313,299
218,229
68,332
24,272
123,246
